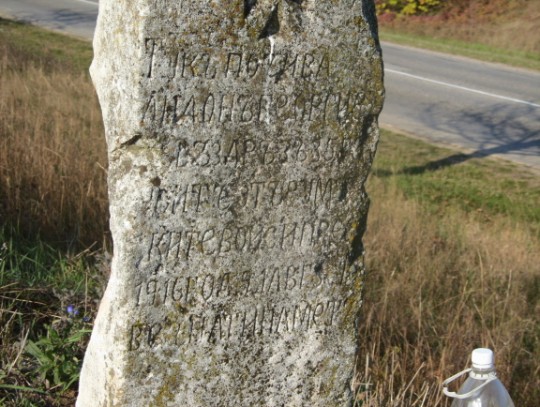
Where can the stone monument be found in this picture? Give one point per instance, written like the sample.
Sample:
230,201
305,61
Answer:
240,134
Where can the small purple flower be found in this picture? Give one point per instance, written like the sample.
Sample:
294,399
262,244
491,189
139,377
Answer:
72,311
86,318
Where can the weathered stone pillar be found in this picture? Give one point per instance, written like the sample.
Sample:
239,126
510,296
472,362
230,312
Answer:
240,134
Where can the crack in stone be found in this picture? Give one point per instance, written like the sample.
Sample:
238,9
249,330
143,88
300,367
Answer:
254,10
272,25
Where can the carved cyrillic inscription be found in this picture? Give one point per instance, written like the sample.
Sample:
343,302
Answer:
172,247
238,327
244,150
172,288
240,134
205,197
180,108
167,61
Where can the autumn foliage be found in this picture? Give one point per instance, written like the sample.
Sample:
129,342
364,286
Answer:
408,7
502,24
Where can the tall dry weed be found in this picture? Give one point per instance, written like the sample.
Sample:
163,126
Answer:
52,152
438,286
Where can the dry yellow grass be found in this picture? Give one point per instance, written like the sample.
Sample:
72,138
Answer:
52,153
437,287
500,23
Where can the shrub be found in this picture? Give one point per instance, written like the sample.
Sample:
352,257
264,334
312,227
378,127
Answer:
408,7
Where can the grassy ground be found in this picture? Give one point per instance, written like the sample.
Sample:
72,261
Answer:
53,213
496,31
52,153
476,50
453,246
453,253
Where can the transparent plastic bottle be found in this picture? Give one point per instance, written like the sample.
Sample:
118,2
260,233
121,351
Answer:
482,388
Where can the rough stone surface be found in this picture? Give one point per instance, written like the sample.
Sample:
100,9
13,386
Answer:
240,134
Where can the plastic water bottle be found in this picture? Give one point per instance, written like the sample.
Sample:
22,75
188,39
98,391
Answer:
482,388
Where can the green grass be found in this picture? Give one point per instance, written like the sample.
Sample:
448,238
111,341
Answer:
445,179
41,341
468,49
35,263
35,45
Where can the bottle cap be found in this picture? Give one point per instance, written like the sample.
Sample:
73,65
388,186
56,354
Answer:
482,358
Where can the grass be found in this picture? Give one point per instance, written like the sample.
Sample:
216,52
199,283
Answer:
452,247
495,31
436,177
29,45
52,153
448,273
476,50
47,302
53,212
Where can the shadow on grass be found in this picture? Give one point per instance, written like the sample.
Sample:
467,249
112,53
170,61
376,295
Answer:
506,128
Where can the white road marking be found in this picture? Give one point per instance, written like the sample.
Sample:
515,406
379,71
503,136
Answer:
451,85
95,3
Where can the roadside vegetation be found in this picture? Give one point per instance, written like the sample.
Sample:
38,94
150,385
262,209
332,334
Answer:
452,248
496,30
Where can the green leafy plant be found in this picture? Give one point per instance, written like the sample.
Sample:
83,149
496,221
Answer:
59,353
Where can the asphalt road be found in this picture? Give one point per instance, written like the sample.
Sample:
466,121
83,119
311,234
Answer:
486,109
76,17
